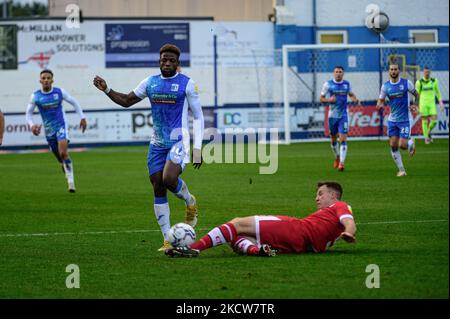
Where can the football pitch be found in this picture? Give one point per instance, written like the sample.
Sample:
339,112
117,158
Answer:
108,228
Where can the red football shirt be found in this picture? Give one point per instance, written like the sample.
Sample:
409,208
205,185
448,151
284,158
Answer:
324,226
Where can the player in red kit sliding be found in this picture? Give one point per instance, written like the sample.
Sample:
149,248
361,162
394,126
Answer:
269,235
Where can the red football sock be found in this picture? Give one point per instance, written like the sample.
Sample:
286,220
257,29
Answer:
242,245
253,250
202,244
217,236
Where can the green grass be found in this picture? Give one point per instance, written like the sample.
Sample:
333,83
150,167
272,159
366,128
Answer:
114,194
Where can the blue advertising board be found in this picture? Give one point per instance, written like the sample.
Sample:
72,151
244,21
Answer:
136,45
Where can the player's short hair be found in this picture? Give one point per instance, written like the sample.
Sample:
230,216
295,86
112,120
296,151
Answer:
426,68
339,67
334,186
394,63
46,71
170,48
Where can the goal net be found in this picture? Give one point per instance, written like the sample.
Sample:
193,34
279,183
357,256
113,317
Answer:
305,68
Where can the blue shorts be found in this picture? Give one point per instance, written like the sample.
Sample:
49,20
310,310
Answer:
157,157
60,135
401,129
338,125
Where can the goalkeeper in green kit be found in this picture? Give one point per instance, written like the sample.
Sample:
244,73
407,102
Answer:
428,88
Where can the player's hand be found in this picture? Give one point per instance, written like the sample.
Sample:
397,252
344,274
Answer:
349,238
379,107
36,129
441,106
197,159
100,83
332,99
413,108
357,102
83,125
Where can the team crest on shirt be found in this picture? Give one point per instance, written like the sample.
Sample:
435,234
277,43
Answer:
174,87
402,87
55,96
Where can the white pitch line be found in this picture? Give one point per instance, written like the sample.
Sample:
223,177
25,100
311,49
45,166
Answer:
202,229
404,222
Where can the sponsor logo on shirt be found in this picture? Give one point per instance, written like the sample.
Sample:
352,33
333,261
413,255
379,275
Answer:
163,98
174,87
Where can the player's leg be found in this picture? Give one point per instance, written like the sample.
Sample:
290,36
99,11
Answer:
63,148
333,125
175,163
433,123
406,142
156,160
394,136
53,144
425,129
424,114
226,233
62,137
343,130
161,206
241,233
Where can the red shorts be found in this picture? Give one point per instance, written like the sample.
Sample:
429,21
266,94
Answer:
283,233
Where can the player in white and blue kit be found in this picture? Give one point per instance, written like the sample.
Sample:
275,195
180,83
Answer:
338,89
170,94
49,100
399,122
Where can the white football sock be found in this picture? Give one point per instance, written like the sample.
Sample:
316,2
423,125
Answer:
162,213
183,193
68,169
398,159
343,152
410,145
335,149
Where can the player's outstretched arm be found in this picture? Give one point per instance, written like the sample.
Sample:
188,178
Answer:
350,230
125,100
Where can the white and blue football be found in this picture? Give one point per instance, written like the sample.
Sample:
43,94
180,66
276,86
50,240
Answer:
181,235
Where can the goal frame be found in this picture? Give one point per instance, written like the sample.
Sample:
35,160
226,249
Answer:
286,48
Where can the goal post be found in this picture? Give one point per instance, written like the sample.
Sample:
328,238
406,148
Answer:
306,67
